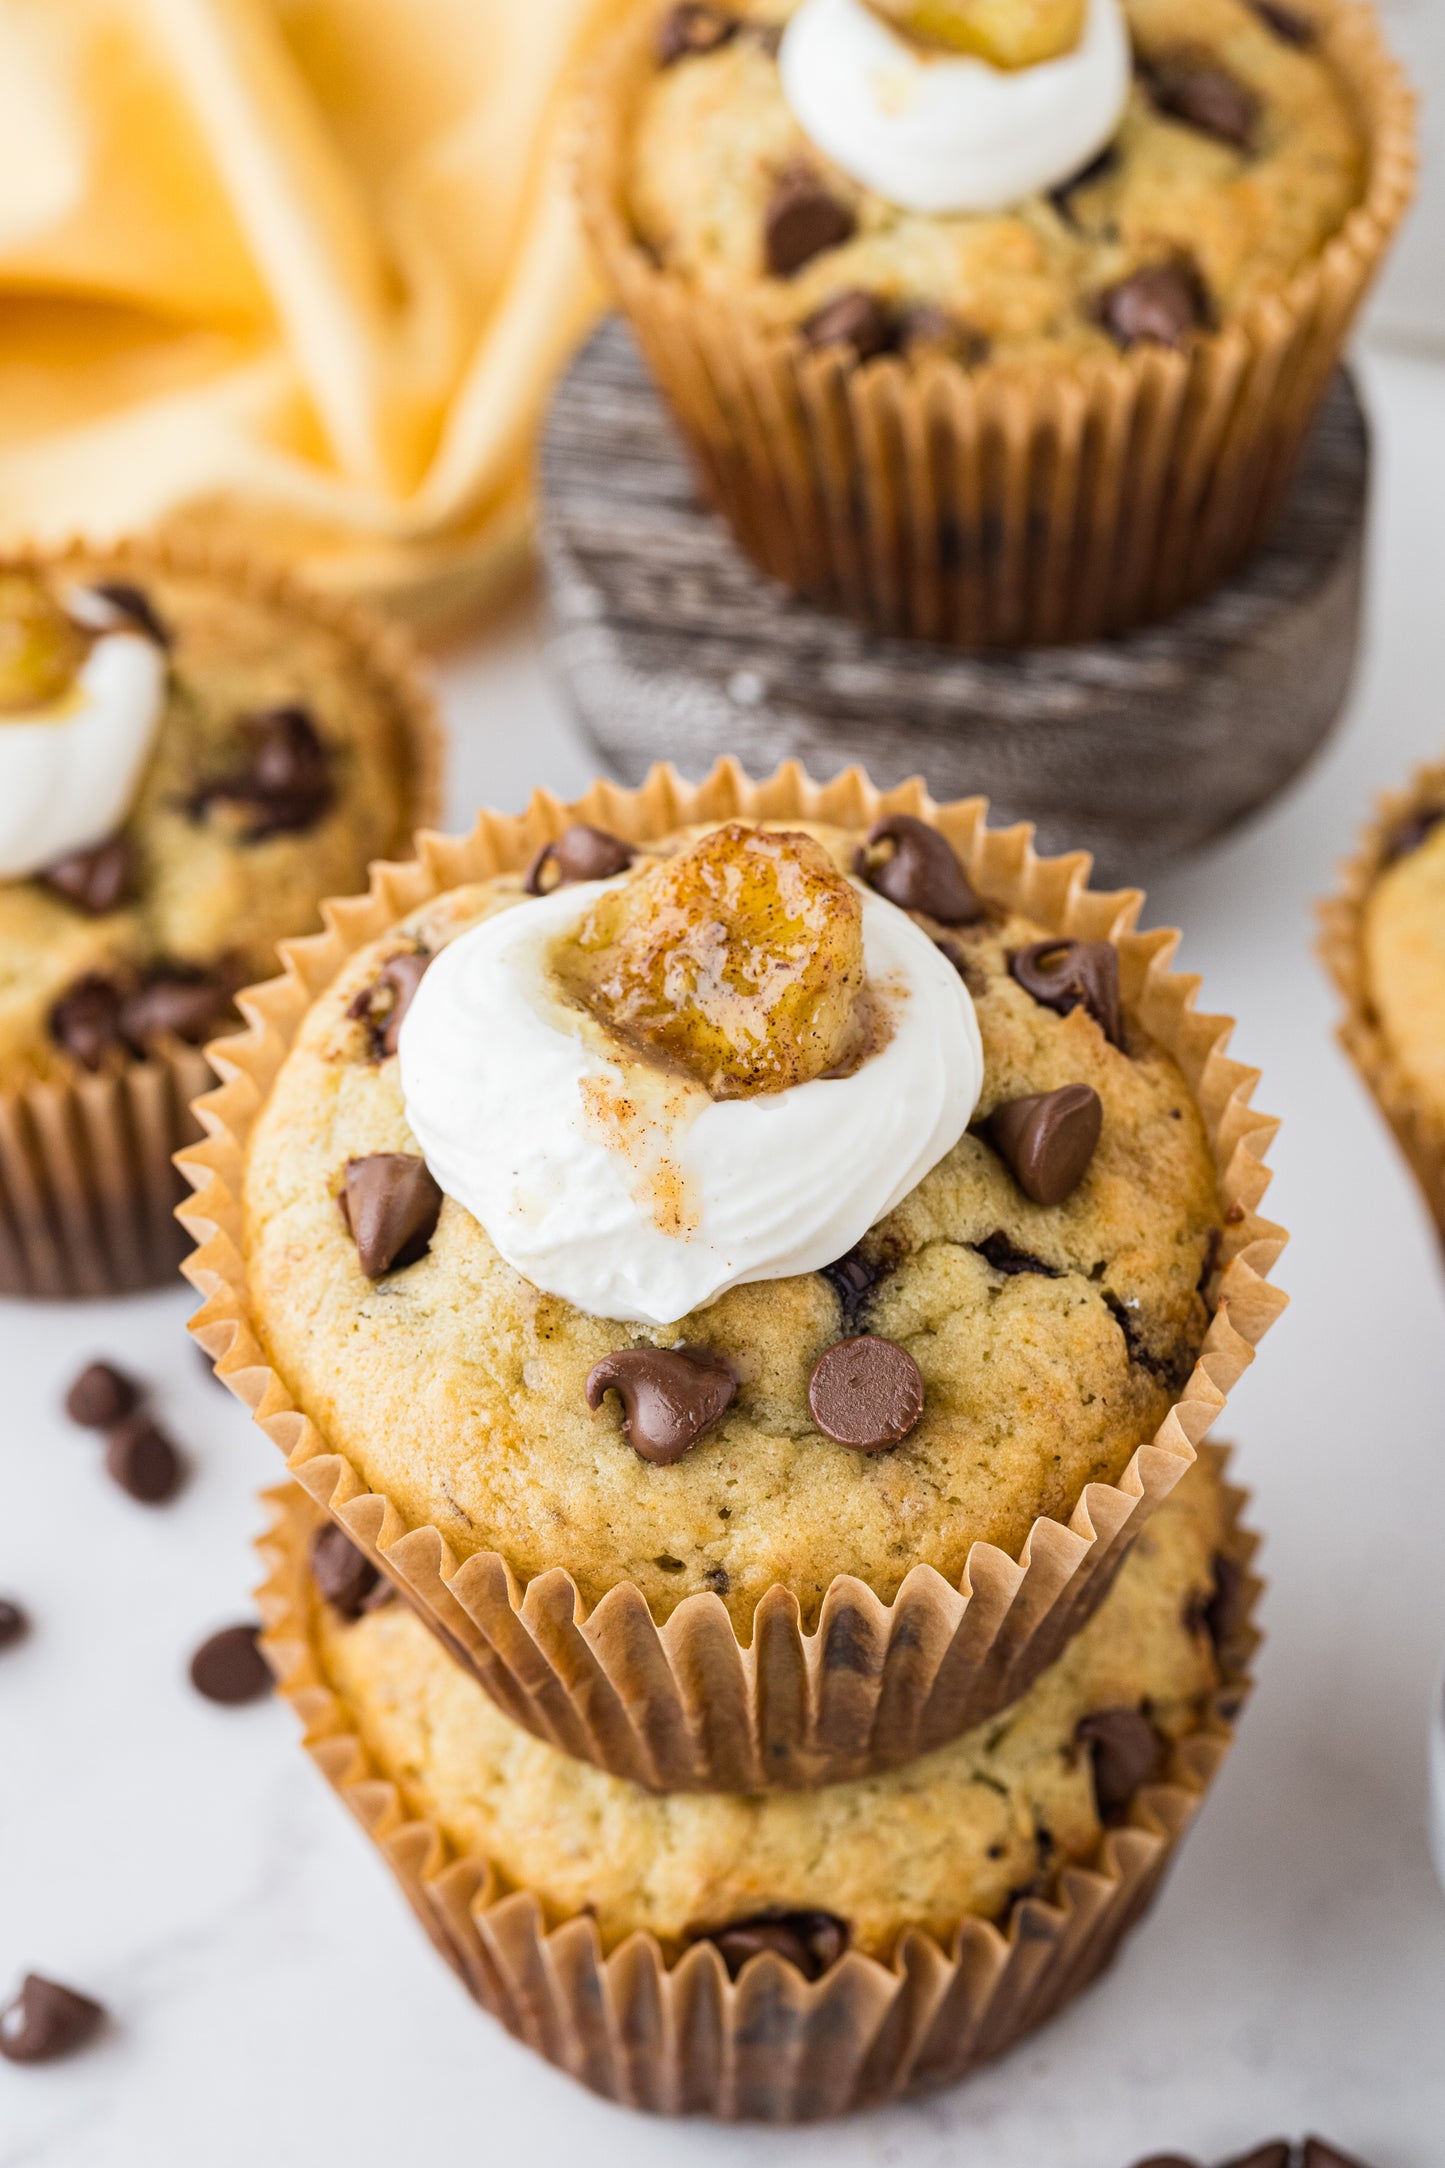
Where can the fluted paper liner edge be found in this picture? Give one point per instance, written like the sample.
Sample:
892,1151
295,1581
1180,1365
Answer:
674,2035
88,1188
1419,1132
685,1705
1005,505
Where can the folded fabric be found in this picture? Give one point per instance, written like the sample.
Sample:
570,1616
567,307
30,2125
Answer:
295,270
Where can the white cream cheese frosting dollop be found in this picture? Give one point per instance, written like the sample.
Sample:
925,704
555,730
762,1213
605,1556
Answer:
629,1191
936,132
69,770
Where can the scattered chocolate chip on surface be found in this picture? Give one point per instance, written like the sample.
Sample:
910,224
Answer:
101,1396
669,1396
97,880
1048,1140
1067,975
1277,2153
47,2021
175,1001
383,1005
1318,2154
85,1021
1124,1748
997,1250
1204,96
14,1624
230,1669
1162,305
866,1393
689,30
855,319
390,1205
344,1575
802,220
813,1941
1167,2160
580,853
142,1460
135,605
920,873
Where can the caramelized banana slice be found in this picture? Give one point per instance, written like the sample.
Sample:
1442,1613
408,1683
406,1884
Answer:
40,649
1008,33
741,961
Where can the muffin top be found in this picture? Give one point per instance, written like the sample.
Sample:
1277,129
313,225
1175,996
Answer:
1404,953
1013,1307
1208,176
963,1831
190,761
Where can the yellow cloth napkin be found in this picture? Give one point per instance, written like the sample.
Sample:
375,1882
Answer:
299,271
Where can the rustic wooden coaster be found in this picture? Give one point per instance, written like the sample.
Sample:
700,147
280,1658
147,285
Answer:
674,647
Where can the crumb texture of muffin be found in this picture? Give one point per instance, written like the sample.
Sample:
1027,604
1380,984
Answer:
284,761
1237,159
1051,1339
962,1832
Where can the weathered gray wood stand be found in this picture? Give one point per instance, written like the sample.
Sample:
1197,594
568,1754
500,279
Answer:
675,647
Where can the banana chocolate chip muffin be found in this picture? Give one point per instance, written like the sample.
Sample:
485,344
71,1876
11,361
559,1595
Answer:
191,757
963,1832
947,176
752,1207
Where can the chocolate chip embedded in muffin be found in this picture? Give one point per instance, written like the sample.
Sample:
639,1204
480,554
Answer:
85,1022
669,1396
1162,305
920,873
175,1001
230,1669
1124,1749
813,1941
390,1205
1067,975
1048,1140
134,605
802,220
97,880
1098,169
693,29
47,2021
580,853
383,1005
101,1396
1287,23
1192,88
1414,830
344,1575
866,1393
998,1251
855,319
286,780
922,327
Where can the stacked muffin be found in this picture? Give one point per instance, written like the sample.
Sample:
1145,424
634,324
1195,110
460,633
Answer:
750,1267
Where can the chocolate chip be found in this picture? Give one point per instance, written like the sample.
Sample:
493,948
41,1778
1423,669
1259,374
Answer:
1204,96
998,1251
866,1393
1048,1140
580,853
1412,832
46,2021
1066,975
175,1001
813,1941
1278,2153
14,1625
855,319
1227,1611
767,35
718,1579
690,30
142,1460
344,1575
382,1006
853,1279
1166,2160
85,1021
1124,1748
286,779
1098,169
803,219
669,1396
136,605
377,1598
101,1396
974,977
390,1206
1286,23
95,881
230,1669
1158,306
1318,2154
920,873
924,327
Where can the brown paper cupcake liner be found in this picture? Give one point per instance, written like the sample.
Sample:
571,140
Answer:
1004,505
669,2032
88,1190
688,1704
1419,1131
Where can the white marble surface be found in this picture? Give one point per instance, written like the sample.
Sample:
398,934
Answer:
273,2000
